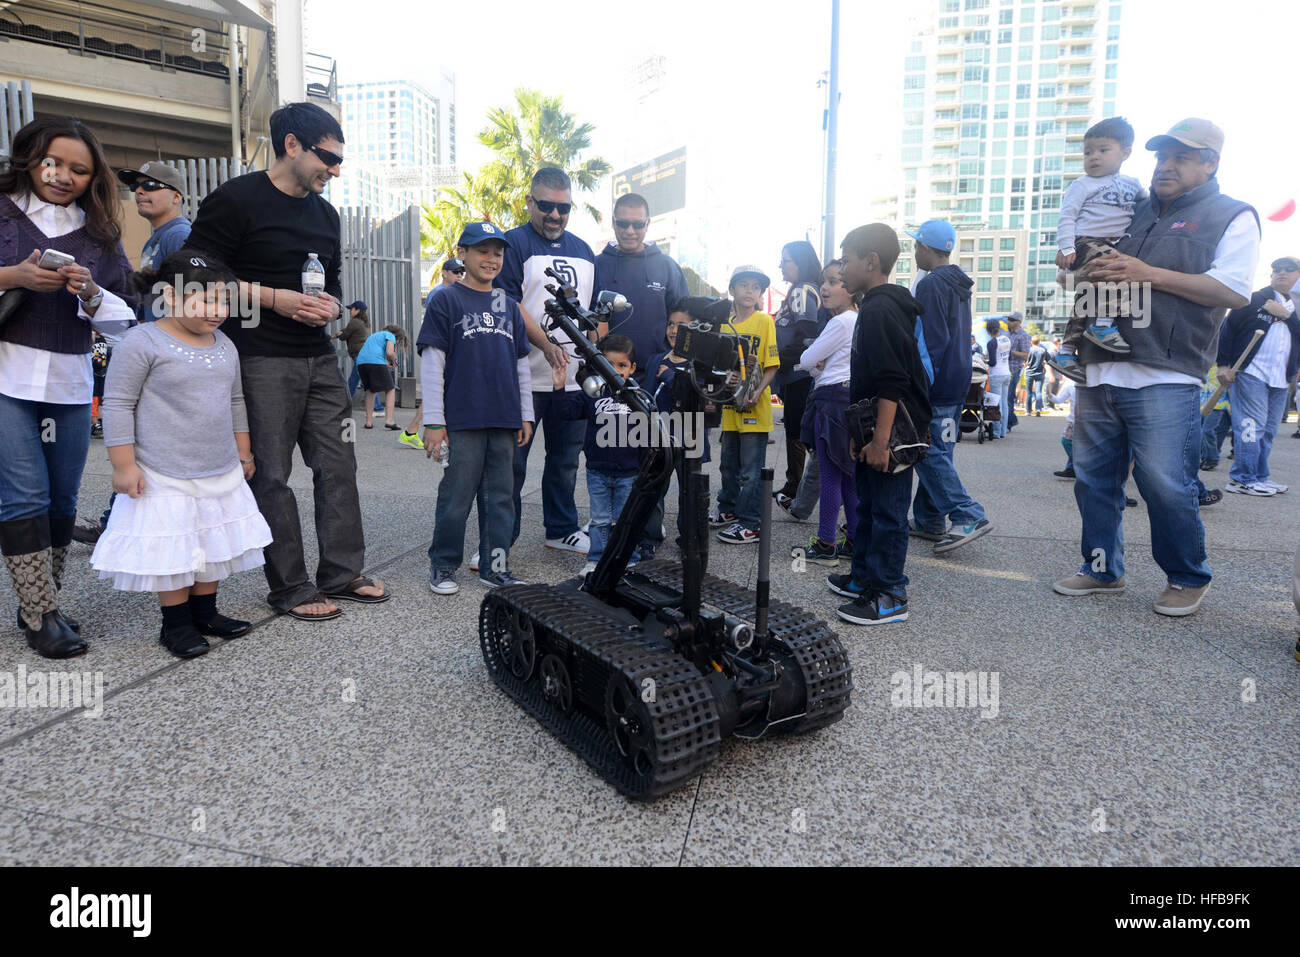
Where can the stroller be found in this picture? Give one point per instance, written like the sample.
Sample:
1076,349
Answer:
980,410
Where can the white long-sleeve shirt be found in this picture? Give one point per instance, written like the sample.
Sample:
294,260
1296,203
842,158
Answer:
834,345
38,375
1097,206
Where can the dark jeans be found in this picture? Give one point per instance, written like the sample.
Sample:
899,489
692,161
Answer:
1033,393
1214,429
743,457
560,471
478,469
794,396
880,543
302,402
45,446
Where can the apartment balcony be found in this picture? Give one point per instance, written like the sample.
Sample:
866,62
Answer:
1077,54
947,81
1080,70
1074,93
945,138
1074,15
1078,33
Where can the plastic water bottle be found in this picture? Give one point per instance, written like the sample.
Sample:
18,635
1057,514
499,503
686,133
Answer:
313,276
444,454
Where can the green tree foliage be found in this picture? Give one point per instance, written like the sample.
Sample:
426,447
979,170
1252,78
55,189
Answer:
536,132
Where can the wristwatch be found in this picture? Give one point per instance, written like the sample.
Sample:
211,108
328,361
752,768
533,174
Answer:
93,301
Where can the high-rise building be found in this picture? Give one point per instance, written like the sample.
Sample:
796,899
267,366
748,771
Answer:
997,95
401,143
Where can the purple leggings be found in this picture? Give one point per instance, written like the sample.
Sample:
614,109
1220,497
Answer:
837,488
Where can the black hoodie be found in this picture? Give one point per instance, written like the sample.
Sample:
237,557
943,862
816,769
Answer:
886,361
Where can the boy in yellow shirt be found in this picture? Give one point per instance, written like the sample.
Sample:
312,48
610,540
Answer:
744,430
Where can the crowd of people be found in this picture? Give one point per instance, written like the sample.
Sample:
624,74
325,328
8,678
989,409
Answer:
872,381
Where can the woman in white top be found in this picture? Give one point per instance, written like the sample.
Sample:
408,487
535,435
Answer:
827,359
58,205
999,346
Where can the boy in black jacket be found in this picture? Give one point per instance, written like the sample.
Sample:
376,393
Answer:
887,366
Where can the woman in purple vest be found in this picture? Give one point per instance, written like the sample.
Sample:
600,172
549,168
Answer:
62,272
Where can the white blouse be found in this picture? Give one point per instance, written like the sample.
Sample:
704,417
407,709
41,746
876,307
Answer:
39,375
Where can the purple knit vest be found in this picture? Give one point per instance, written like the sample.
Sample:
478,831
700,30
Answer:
48,320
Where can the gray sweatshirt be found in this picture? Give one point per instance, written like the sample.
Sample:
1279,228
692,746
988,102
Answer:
1097,206
179,405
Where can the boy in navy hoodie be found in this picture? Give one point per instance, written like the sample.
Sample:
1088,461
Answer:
944,297
885,365
612,463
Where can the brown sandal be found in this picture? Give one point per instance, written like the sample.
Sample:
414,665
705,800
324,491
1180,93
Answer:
349,592
317,599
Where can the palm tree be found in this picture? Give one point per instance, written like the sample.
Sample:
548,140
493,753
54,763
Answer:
537,132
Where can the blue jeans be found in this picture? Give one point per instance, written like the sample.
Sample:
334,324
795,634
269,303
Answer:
1001,386
1257,411
880,539
1161,425
608,494
1033,393
1214,429
743,456
45,446
478,469
939,491
354,379
560,471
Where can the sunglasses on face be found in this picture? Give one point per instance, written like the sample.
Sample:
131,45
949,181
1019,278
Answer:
637,224
456,272
326,157
151,185
548,207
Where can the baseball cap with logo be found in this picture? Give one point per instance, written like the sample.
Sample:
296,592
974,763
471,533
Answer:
1198,134
935,233
1286,264
749,272
476,233
159,172
454,264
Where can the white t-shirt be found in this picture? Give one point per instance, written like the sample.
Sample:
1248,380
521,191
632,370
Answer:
1269,363
1235,259
1002,369
835,345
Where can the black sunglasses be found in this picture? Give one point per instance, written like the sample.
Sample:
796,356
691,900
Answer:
325,156
456,272
548,207
631,223
152,185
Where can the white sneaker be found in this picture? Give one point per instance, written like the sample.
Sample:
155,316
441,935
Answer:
473,563
1275,486
1257,489
588,568
576,542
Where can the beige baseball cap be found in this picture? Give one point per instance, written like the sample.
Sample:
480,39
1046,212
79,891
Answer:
158,172
1196,133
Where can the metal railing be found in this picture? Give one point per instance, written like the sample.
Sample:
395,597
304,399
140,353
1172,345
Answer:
15,113
202,176
103,31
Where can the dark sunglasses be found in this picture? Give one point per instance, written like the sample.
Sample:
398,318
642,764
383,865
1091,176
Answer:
456,272
152,185
548,207
326,157
631,223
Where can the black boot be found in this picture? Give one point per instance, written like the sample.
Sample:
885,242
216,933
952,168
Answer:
208,621
178,635
61,528
25,543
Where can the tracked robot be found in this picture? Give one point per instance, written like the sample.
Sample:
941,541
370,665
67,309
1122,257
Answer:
644,670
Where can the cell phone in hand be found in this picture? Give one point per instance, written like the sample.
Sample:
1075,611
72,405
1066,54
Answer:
53,259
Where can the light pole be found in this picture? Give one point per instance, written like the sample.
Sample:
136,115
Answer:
832,131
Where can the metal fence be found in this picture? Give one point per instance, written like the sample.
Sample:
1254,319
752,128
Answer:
381,266
202,176
15,113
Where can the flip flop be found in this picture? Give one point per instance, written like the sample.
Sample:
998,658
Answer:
349,592
314,600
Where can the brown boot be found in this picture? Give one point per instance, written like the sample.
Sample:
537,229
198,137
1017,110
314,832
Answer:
27,555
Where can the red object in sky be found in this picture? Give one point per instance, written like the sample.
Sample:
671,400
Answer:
1283,212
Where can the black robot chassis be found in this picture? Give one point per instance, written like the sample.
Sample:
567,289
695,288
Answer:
643,671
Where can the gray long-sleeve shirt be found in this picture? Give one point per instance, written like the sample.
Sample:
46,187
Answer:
179,405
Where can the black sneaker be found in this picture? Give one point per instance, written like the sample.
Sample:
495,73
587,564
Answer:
1209,466
1065,473
817,552
845,586
1211,496
1130,502
87,533
878,608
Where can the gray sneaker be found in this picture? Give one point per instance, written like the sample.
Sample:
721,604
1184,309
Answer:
1178,600
497,579
916,531
959,535
1081,584
442,581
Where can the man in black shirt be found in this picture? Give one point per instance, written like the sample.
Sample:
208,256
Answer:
1035,374
265,225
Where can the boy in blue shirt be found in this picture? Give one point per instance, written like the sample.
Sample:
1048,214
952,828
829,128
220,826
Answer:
478,403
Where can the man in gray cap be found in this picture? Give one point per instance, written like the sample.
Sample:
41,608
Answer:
160,198
1020,344
1190,252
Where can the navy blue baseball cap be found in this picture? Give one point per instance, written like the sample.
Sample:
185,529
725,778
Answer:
475,233
359,304
935,233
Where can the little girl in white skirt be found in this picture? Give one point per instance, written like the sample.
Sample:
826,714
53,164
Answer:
177,434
